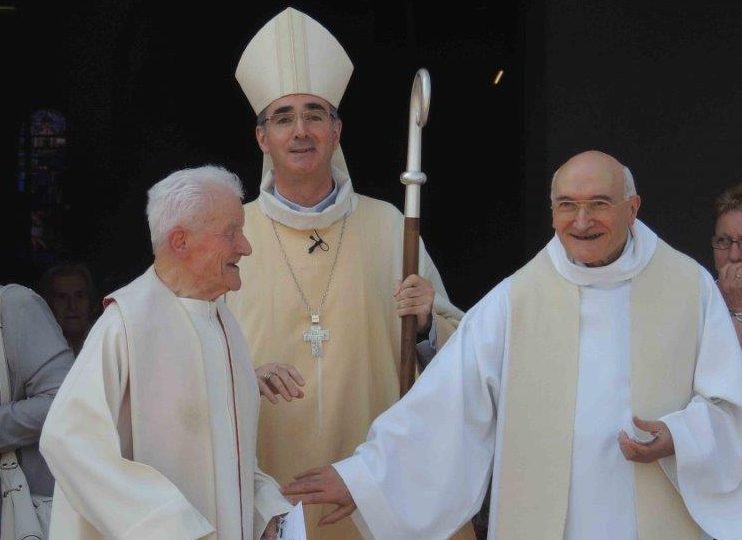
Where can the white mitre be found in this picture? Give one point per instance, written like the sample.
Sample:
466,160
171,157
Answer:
294,54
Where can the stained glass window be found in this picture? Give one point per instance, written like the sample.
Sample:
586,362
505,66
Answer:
41,160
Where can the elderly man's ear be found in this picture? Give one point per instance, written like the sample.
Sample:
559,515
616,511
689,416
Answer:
635,204
177,239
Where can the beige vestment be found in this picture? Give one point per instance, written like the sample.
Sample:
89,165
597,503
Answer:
535,386
537,483
357,377
129,438
360,360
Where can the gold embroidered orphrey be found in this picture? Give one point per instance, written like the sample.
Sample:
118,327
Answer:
315,335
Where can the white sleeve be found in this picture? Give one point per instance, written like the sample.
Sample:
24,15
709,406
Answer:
269,501
707,465
120,498
426,464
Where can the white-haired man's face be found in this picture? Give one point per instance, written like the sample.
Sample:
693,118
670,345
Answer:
216,245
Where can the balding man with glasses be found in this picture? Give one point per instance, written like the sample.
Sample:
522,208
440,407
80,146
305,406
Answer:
598,389
727,244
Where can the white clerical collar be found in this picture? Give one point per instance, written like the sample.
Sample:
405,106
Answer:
636,255
345,202
324,203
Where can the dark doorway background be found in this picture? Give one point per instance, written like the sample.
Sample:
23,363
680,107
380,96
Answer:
147,87
658,85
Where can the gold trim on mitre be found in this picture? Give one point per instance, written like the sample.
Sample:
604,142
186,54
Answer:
294,54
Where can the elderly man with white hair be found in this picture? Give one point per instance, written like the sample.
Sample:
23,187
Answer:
152,435
598,389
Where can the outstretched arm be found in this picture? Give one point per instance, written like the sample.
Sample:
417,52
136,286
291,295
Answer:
446,423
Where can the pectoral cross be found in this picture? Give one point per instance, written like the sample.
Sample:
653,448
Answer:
316,335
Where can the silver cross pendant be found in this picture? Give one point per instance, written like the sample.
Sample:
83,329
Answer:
316,335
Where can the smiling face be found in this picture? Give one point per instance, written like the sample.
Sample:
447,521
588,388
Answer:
593,238
302,149
216,245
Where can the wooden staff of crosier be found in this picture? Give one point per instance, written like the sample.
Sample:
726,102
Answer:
413,178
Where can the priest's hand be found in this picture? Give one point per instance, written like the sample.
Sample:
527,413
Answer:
279,380
647,452
415,296
730,285
271,530
322,486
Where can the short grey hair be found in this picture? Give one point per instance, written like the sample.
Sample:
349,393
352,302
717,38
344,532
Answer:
729,201
181,198
629,187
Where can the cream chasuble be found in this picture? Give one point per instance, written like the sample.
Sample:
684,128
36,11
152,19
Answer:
360,360
152,435
549,438
545,356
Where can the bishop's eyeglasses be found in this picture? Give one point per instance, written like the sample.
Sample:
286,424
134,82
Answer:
311,118
593,207
724,242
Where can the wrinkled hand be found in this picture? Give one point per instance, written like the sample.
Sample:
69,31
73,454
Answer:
647,452
322,486
279,380
415,296
271,530
730,285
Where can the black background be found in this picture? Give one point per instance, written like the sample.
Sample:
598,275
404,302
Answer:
147,88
